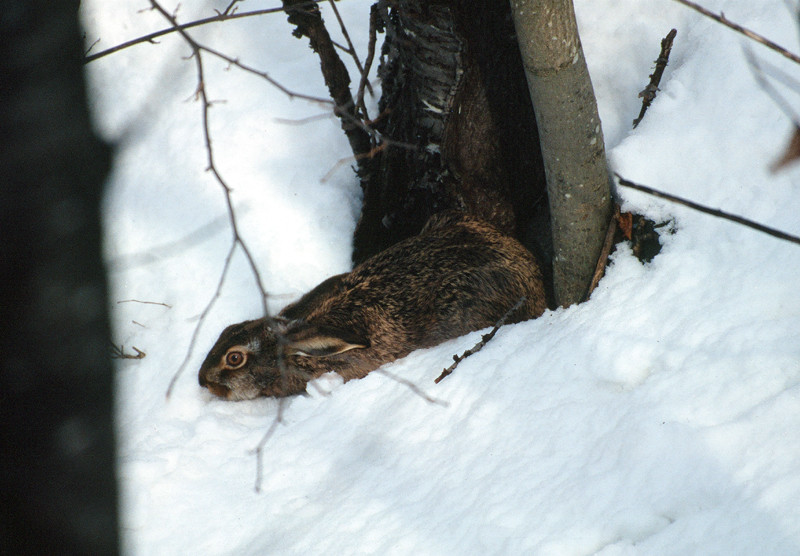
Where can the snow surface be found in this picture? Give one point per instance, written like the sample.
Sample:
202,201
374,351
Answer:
660,417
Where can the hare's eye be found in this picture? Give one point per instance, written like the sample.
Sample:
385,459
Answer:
235,359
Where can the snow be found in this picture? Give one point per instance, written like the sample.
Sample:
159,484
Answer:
660,417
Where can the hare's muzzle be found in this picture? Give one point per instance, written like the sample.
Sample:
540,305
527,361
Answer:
216,389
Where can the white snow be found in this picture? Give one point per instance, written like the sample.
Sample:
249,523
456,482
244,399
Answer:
660,417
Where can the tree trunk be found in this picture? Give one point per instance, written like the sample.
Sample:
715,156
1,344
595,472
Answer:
571,140
57,440
459,122
308,21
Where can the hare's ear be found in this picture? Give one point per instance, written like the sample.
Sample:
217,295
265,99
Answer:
319,341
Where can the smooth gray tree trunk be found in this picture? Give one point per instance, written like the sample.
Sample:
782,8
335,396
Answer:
571,139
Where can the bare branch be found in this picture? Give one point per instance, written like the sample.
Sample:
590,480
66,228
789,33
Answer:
201,320
118,352
201,91
304,121
720,18
150,38
608,243
91,46
278,419
363,138
649,92
264,75
145,302
713,212
350,48
309,23
381,141
345,160
374,17
231,7
197,51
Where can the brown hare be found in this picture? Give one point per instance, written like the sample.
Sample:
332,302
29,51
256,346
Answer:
458,275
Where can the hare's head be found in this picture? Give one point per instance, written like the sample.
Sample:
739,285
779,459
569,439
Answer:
271,357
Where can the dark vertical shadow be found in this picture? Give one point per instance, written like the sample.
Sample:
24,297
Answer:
59,492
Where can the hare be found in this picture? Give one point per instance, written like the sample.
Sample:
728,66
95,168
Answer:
458,275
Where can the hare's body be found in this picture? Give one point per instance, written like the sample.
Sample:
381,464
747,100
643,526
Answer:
459,274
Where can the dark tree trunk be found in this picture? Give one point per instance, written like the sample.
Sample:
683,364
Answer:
308,23
57,442
456,129
454,89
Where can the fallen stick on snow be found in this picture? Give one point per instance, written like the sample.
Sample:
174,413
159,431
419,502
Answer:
484,340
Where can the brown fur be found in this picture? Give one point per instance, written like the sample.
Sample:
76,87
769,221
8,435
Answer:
458,275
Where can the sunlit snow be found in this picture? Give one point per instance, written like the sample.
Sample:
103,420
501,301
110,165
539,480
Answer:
660,417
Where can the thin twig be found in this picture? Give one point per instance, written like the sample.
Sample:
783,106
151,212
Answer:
118,352
264,75
720,18
197,47
602,260
150,38
353,158
231,7
237,241
649,93
304,121
714,212
278,419
381,140
201,320
377,137
91,46
340,46
308,23
354,127
201,92
350,48
373,38
484,340
146,302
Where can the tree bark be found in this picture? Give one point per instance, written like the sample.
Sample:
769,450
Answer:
455,98
57,438
571,139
